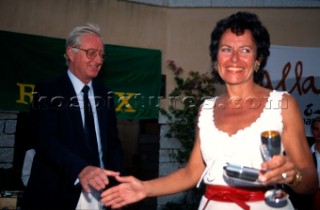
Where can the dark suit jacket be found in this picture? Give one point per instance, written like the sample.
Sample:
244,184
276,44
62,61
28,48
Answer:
61,150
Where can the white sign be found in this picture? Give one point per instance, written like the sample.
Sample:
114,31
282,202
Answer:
297,70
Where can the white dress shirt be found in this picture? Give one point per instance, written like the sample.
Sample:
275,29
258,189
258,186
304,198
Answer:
317,154
88,200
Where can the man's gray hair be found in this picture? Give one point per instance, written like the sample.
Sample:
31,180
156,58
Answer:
73,39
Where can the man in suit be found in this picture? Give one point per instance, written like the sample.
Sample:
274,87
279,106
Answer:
315,149
73,163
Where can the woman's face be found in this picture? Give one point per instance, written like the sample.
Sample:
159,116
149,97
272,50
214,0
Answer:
316,131
236,57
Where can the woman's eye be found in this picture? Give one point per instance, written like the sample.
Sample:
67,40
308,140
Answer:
245,50
225,49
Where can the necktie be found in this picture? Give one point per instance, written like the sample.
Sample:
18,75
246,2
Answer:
89,128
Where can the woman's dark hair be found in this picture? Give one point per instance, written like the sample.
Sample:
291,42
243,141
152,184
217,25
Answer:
238,23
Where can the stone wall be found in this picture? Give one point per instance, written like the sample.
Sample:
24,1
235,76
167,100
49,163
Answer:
8,122
167,162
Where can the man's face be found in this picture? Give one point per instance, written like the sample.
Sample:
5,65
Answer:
85,64
316,131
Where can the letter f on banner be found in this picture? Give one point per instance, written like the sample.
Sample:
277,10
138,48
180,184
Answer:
23,93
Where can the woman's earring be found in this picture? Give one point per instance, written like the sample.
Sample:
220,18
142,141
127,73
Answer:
256,66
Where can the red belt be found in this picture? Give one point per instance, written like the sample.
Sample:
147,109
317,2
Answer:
230,194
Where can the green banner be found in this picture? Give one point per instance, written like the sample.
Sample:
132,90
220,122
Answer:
134,74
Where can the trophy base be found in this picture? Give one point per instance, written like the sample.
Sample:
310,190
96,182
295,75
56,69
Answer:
276,198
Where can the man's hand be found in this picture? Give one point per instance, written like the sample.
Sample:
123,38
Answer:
95,177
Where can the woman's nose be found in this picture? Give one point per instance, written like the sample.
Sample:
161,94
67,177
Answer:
234,56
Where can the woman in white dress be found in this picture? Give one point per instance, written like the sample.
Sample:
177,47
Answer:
229,128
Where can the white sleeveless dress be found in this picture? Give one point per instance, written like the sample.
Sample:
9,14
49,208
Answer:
241,148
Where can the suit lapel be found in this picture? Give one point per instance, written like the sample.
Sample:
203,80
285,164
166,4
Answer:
72,101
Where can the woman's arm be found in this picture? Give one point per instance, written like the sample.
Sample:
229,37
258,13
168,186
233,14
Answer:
132,190
182,179
297,149
298,160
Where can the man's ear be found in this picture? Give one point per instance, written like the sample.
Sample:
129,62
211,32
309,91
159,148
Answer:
70,53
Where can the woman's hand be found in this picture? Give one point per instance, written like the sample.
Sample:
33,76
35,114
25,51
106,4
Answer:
280,169
130,190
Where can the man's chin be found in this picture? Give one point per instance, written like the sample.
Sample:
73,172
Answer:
94,74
